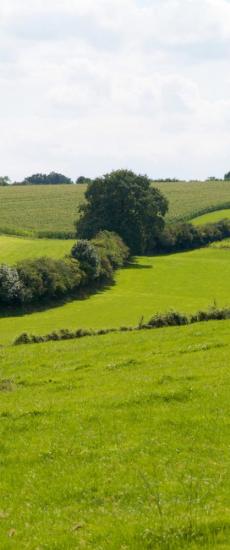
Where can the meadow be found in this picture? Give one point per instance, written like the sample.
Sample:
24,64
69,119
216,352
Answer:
52,210
212,217
117,442
187,282
14,249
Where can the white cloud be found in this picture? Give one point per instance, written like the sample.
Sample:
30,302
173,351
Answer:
91,85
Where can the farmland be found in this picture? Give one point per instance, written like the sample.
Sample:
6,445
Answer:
151,284
212,217
14,249
119,441
52,210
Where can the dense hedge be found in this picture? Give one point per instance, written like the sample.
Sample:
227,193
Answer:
91,263
170,319
185,236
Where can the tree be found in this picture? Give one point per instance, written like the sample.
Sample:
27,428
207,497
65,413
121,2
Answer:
83,179
43,179
4,180
227,176
125,203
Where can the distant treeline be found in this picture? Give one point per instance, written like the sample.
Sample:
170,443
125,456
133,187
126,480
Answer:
54,178
41,280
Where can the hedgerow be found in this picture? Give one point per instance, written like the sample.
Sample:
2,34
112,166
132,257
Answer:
90,264
169,319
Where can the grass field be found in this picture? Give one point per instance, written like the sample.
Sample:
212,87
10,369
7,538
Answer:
14,249
187,282
117,442
212,217
43,209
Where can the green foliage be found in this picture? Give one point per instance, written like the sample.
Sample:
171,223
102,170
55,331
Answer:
83,180
110,245
125,203
48,278
10,285
47,179
227,176
180,237
4,181
85,252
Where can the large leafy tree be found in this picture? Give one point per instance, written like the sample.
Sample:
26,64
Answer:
127,204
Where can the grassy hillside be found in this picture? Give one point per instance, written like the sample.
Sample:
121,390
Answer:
187,282
55,208
117,442
212,217
13,249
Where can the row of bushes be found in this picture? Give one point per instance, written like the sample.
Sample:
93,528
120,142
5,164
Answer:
185,236
172,318
42,279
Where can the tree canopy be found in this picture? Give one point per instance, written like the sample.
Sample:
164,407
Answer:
127,204
47,179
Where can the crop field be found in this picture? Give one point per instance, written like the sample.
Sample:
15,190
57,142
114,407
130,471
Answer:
119,441
186,282
48,210
14,249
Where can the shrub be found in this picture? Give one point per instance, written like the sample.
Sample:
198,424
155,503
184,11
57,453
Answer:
48,278
11,287
86,254
110,246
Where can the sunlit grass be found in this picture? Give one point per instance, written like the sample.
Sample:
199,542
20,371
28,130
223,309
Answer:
117,442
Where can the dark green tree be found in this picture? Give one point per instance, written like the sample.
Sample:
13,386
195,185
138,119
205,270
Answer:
127,204
4,180
47,179
83,179
227,176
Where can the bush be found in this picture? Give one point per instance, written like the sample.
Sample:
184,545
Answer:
85,252
109,245
185,236
11,287
45,278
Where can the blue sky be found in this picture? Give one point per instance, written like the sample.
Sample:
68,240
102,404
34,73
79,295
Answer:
88,86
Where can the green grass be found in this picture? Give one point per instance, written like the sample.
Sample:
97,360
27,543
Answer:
42,209
117,442
14,249
212,217
187,282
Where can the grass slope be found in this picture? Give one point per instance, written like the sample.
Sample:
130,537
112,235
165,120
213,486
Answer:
117,442
186,282
55,208
13,249
212,217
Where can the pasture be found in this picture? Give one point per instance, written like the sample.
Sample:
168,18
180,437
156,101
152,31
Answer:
187,282
117,442
212,217
51,210
14,249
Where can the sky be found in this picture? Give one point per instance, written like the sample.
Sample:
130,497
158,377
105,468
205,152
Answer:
90,86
